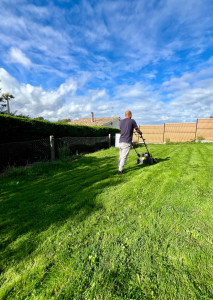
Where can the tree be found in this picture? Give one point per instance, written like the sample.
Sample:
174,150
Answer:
39,119
19,115
65,120
6,97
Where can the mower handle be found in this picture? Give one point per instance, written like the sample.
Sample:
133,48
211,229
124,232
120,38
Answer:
141,136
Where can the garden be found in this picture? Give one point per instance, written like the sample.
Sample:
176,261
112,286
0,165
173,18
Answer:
73,229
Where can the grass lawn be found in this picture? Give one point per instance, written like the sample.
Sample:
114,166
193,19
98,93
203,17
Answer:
76,230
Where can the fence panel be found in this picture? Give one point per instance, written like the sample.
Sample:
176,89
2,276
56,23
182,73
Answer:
152,133
135,137
81,144
179,132
23,153
205,129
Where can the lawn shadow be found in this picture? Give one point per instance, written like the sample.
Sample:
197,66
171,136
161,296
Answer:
159,160
141,166
40,202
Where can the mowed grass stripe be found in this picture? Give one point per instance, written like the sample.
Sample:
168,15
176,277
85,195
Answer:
144,235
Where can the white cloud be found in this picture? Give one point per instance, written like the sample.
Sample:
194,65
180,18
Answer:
137,33
136,91
53,105
71,100
97,94
17,56
108,51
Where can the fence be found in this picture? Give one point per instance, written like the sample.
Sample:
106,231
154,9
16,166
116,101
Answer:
180,132
177,132
205,129
152,133
23,153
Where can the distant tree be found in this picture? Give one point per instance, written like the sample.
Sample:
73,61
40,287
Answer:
22,116
15,114
39,119
211,116
4,102
65,120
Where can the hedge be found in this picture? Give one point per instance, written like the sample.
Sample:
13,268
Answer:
15,129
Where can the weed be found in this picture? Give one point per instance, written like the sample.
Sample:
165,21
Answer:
63,152
200,138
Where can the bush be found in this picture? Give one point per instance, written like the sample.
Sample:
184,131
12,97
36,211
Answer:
200,138
63,152
14,129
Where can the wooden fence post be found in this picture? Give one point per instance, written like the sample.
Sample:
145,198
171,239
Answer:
52,147
109,140
196,130
163,132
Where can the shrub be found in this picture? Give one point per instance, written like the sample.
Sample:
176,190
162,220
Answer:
200,138
63,152
14,129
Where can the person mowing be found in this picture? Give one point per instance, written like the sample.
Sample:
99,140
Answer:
127,126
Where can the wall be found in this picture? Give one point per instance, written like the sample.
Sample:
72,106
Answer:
113,124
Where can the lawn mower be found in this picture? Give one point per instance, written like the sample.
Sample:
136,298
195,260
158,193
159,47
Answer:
145,158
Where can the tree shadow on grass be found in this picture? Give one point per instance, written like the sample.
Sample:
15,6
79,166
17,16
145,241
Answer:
38,202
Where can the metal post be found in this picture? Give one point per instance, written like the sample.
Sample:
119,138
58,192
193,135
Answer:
109,140
52,147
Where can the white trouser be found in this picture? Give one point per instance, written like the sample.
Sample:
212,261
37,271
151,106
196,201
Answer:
124,151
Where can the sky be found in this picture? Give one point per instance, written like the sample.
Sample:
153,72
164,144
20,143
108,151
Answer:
65,59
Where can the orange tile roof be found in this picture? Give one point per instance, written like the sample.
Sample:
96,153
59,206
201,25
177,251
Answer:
97,121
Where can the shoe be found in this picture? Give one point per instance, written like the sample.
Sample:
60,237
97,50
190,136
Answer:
120,173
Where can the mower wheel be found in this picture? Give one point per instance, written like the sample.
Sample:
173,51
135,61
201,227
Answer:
151,161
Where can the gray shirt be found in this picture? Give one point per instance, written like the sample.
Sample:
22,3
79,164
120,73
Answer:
127,126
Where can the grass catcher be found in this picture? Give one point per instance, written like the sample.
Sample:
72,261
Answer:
145,158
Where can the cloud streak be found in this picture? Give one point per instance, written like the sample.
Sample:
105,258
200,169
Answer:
154,57
17,56
185,104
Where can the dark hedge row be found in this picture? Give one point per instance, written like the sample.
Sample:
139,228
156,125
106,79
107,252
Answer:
13,129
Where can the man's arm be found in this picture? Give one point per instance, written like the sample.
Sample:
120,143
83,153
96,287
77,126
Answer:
138,130
135,126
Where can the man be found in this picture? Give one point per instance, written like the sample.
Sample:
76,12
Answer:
127,126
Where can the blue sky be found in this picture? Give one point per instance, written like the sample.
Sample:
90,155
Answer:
64,59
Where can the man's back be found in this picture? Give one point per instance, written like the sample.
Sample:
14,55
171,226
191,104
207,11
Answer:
127,126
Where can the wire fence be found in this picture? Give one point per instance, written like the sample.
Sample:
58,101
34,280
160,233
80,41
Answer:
23,153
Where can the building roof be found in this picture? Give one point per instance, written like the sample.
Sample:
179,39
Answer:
96,122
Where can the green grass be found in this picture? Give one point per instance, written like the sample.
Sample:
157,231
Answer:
75,230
